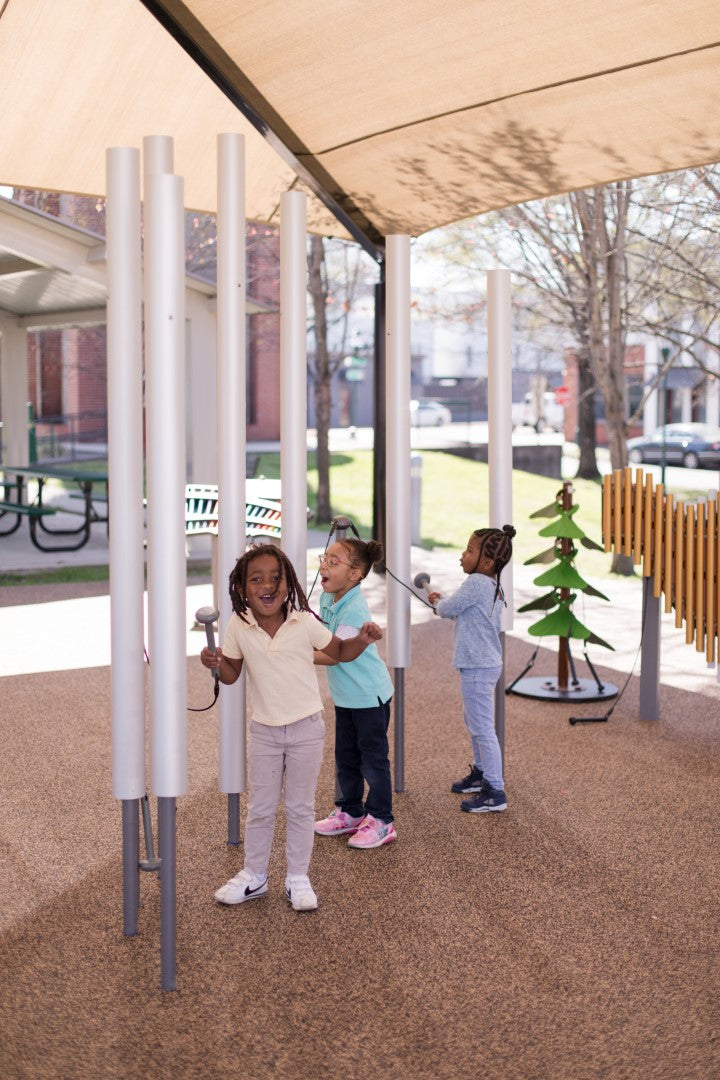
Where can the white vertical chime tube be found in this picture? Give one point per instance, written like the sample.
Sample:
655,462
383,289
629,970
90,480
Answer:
157,158
165,377
397,392
500,416
231,434
293,378
125,470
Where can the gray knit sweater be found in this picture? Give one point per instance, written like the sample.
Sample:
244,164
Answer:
477,616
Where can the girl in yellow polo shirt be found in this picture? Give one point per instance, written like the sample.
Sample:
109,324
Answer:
274,632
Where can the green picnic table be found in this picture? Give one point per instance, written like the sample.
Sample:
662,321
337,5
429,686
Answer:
16,503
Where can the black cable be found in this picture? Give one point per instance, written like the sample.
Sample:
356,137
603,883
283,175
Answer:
508,689
190,707
327,545
412,592
333,527
603,719
206,707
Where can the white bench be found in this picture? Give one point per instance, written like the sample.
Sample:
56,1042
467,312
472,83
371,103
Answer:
262,515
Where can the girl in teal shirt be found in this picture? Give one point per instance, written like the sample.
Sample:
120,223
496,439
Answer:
361,691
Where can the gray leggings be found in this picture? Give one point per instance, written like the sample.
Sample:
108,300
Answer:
295,751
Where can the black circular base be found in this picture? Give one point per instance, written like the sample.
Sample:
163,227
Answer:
546,687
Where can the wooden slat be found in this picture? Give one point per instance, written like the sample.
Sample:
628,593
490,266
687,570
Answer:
669,548
700,578
617,510
678,555
607,512
658,544
638,509
710,610
650,548
688,571
627,512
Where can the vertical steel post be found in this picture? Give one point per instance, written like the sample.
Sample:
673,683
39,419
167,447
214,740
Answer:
397,375
165,336
293,378
131,866
125,494
167,848
650,654
500,446
231,441
380,418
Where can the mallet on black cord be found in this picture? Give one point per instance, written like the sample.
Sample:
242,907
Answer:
208,616
599,719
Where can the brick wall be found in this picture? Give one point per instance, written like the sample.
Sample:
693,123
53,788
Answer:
633,364
80,355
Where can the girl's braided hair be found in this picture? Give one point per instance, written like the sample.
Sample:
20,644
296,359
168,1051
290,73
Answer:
363,553
296,598
496,544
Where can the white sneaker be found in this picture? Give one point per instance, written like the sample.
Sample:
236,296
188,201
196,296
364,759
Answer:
300,892
244,886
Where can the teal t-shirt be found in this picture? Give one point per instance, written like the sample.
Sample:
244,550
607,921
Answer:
359,683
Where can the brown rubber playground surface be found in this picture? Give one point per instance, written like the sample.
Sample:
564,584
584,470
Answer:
574,936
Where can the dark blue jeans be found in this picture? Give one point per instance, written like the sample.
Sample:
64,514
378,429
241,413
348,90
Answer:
361,754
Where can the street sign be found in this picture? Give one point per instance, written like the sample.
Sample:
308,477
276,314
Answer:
562,395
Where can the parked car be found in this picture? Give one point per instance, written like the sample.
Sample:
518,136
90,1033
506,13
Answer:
429,414
691,445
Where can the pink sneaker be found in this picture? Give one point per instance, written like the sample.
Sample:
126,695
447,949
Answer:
373,833
337,823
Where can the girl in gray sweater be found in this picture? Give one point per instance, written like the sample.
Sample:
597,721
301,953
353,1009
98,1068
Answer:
476,608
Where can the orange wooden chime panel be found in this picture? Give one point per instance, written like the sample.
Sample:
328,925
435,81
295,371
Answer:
678,545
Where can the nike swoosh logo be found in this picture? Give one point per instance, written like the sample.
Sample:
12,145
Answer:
249,891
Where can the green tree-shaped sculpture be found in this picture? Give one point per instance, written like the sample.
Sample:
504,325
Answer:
564,580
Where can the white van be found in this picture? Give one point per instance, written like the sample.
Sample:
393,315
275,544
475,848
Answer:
552,417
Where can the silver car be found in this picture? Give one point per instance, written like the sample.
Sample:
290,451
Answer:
429,414
691,445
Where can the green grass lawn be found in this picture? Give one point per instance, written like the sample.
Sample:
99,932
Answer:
455,501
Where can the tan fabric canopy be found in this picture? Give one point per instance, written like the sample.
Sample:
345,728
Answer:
409,114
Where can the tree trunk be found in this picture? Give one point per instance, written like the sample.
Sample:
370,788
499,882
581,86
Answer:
318,292
323,511
587,469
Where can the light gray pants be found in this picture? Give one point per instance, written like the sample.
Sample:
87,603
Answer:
478,693
295,750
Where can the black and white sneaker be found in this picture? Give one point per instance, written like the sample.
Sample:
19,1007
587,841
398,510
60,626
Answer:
472,782
244,886
487,800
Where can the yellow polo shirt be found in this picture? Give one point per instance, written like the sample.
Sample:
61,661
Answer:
282,678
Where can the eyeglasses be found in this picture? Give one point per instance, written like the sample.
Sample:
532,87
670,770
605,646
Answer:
332,561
